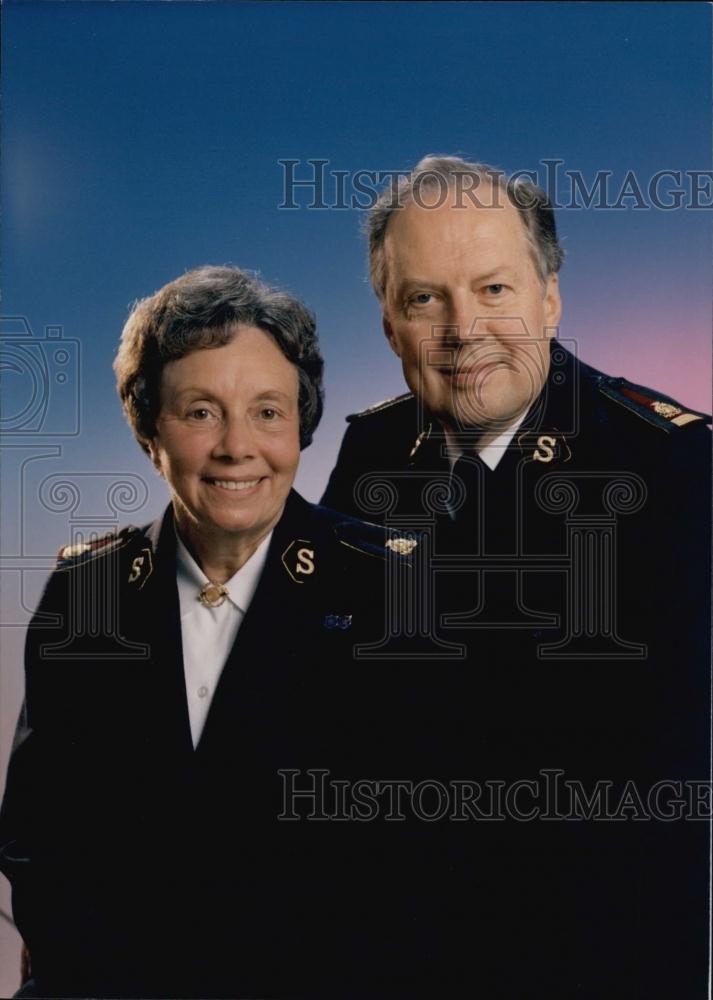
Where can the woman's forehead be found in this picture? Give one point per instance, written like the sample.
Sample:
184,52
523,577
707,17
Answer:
251,358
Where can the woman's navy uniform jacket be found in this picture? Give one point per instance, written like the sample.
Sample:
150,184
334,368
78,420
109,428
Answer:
142,867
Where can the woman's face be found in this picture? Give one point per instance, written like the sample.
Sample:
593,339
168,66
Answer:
227,438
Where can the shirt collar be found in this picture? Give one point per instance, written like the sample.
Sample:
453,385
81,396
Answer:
490,454
241,586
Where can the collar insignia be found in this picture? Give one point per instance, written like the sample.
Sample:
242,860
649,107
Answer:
544,448
141,568
298,559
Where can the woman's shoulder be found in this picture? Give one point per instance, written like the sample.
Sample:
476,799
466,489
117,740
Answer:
132,545
85,550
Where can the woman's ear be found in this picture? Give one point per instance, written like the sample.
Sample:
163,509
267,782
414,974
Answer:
154,453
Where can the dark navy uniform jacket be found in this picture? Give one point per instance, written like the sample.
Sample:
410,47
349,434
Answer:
142,867
566,597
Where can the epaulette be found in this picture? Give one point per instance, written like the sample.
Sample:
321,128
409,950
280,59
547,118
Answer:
375,540
656,409
82,552
385,404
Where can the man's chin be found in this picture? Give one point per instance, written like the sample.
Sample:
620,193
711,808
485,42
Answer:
468,419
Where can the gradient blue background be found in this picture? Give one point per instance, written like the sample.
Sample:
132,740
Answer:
142,139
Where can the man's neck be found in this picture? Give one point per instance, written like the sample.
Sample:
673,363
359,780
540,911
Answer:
489,444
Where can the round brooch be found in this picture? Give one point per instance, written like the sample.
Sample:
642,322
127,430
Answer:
212,595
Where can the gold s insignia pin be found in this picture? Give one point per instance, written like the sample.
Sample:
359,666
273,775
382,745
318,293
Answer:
402,546
305,561
667,410
298,559
136,569
141,567
548,445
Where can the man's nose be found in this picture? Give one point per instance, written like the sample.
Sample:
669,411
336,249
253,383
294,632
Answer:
236,439
462,320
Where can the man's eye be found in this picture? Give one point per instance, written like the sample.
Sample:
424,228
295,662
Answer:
421,299
267,413
495,289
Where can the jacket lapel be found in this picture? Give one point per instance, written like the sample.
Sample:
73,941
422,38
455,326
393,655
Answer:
155,613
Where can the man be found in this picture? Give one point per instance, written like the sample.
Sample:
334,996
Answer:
567,513
465,266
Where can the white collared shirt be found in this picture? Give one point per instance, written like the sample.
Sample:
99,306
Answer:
207,633
490,453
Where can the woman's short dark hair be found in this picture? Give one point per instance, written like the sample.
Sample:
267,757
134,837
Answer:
202,309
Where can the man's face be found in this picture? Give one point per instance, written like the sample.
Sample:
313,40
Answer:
466,312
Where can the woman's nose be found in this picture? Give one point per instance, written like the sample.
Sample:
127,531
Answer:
235,440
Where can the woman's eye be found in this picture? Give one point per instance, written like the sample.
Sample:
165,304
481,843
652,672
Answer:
200,413
268,413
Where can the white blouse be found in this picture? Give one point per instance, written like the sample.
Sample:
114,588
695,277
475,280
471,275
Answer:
208,633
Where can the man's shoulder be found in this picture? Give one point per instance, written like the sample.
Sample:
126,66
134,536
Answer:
390,409
358,540
385,433
640,408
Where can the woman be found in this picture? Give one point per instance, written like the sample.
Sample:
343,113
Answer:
194,668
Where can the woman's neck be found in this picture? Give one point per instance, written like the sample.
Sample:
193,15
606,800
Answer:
220,556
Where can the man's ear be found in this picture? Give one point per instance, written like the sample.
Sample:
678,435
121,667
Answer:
552,306
388,330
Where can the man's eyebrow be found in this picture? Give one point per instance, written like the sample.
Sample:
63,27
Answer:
406,283
502,270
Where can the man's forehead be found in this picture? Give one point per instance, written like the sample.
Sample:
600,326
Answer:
448,232
453,218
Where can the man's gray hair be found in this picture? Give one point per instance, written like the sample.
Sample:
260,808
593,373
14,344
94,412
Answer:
201,310
446,173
